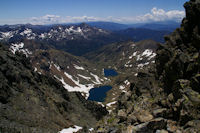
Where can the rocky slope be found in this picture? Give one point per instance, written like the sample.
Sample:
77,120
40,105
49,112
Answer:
32,102
168,99
126,57
76,73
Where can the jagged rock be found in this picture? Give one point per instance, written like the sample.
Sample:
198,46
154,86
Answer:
131,118
178,87
151,126
195,83
122,115
129,129
140,128
159,112
129,107
178,67
122,102
193,96
142,75
161,131
192,126
143,115
172,126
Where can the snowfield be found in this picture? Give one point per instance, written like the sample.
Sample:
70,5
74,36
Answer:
71,129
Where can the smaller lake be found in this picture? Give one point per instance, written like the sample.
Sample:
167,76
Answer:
110,72
99,94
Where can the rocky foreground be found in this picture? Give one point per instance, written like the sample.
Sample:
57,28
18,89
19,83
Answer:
168,99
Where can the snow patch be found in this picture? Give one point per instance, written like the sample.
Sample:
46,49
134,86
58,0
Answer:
26,32
136,74
111,103
71,30
121,87
133,45
16,47
6,35
139,57
128,64
152,56
123,54
78,67
96,78
126,82
134,54
79,30
35,69
100,103
100,30
42,35
80,87
141,65
91,129
57,67
71,129
26,52
29,34
147,52
87,78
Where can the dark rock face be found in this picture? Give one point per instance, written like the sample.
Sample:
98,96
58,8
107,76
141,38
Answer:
178,66
30,102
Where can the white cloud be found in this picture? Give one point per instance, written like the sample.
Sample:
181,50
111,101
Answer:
161,15
52,19
47,19
154,15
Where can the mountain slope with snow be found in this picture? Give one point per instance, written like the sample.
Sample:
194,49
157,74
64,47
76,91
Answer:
75,73
125,56
33,102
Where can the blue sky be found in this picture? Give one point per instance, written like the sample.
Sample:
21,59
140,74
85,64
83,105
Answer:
59,11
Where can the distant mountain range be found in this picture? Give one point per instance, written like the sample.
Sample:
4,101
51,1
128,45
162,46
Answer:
165,25
138,34
75,39
79,39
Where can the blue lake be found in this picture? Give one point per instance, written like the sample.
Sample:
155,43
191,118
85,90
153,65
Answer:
110,72
99,94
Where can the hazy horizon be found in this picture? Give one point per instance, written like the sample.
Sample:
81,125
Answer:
71,11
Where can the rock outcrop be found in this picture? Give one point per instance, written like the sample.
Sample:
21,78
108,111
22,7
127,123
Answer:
178,68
